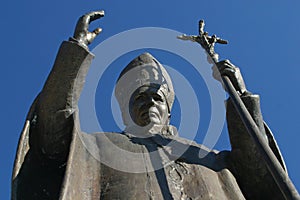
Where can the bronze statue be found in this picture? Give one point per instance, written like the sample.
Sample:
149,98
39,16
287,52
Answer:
53,163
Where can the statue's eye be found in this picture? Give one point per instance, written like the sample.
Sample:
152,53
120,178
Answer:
157,97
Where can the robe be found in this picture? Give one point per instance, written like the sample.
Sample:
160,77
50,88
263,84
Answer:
56,160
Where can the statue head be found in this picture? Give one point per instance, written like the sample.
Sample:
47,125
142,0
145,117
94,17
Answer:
145,92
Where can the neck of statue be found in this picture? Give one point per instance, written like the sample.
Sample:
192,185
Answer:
150,130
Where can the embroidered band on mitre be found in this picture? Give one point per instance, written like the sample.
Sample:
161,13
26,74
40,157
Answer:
144,70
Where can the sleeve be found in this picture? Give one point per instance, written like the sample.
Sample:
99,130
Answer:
247,165
51,130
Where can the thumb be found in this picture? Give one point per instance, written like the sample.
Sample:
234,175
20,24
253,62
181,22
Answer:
97,31
92,35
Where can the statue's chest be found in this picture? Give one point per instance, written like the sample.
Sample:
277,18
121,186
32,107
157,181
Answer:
150,174
132,168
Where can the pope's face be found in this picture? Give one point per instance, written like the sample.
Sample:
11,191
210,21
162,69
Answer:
148,105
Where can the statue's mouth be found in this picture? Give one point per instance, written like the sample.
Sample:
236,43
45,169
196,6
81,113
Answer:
149,114
153,114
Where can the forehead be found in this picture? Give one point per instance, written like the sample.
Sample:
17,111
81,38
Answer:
150,90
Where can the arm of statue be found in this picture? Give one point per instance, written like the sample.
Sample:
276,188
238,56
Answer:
52,133
246,162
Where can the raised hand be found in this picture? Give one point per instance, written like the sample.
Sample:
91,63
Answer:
82,35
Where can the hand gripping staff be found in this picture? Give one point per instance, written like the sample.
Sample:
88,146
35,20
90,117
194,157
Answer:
280,176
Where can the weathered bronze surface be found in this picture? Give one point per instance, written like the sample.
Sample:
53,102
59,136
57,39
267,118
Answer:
233,83
53,163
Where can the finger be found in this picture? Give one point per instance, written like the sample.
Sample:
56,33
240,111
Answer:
95,15
224,65
97,31
82,23
223,71
91,16
225,62
229,64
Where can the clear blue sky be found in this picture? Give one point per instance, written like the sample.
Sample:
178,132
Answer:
264,43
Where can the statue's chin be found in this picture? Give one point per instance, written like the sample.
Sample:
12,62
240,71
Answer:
144,131
149,124
151,120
